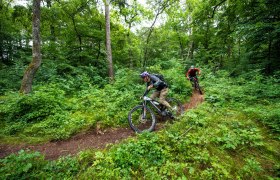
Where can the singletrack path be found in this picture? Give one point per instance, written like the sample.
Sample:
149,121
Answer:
95,139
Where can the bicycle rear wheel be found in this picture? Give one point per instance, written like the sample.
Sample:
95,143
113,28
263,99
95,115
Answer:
176,106
141,119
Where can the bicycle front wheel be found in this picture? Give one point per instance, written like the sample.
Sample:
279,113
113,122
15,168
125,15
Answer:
198,88
141,119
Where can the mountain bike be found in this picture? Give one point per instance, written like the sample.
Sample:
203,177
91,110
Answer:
143,117
196,85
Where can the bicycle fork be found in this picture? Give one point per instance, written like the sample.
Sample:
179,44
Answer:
144,111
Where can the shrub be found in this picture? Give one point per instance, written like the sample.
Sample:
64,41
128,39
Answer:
36,106
24,165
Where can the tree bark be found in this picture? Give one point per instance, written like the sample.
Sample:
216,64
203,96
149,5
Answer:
159,11
108,41
130,45
78,35
191,49
52,30
26,85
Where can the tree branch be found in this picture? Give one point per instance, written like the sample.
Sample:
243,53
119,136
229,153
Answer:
215,7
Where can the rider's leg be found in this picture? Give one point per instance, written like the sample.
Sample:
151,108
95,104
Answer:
191,80
162,100
155,95
162,97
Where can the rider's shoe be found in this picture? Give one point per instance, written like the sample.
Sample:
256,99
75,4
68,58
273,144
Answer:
170,114
164,113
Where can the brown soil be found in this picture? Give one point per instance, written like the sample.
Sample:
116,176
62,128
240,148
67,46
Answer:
95,139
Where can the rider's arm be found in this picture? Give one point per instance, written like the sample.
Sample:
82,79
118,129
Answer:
146,92
187,74
149,86
199,72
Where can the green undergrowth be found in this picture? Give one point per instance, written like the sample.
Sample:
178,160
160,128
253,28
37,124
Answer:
232,135
75,102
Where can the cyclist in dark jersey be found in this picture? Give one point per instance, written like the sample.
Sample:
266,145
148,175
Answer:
160,86
192,73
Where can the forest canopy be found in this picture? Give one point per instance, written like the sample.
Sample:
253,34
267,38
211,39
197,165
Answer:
233,35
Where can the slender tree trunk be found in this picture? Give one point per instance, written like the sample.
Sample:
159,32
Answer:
236,62
1,49
52,37
108,41
191,49
162,7
180,43
191,43
26,85
52,31
99,44
130,45
79,37
268,68
206,37
1,39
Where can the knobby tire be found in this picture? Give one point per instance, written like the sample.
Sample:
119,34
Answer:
140,124
197,87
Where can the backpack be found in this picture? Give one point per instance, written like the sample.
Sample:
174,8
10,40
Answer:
160,76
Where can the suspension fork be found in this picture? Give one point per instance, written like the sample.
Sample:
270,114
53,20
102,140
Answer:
144,110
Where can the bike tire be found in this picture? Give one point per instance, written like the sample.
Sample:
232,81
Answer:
176,106
200,91
140,124
198,88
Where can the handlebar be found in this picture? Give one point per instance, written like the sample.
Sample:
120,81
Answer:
146,98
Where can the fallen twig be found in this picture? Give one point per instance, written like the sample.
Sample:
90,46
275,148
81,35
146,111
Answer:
186,131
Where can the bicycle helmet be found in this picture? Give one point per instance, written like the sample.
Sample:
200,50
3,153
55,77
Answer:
192,66
144,74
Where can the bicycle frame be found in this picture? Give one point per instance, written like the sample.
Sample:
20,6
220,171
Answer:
152,102
193,79
195,83
144,115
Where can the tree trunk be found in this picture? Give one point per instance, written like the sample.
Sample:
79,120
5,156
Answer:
108,41
52,31
26,85
190,51
268,68
180,43
206,36
52,36
99,44
79,37
130,45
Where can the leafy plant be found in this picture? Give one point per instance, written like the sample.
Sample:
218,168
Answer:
24,165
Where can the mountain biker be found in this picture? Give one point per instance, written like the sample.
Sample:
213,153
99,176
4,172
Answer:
192,73
160,86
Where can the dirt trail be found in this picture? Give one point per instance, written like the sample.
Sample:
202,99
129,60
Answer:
95,139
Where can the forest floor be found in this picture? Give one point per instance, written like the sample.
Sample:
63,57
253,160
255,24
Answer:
94,139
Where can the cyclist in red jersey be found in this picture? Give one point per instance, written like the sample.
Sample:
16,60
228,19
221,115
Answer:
192,73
